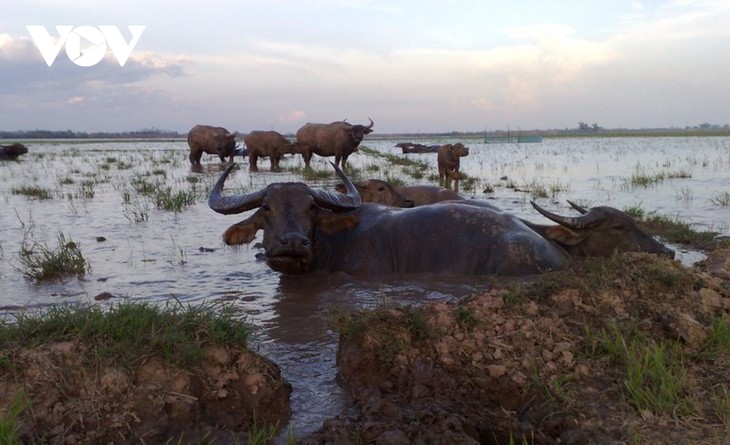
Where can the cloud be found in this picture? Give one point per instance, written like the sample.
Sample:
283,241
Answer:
292,116
31,91
23,69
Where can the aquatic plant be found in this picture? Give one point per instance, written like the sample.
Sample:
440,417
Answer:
39,262
32,191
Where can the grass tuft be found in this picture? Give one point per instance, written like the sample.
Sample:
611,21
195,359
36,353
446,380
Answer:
32,191
132,331
39,262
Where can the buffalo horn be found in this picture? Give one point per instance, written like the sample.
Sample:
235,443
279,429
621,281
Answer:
228,205
578,223
582,210
371,123
338,201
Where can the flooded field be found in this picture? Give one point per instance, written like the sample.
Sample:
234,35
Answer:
139,215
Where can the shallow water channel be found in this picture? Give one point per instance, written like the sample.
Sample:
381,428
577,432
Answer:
119,191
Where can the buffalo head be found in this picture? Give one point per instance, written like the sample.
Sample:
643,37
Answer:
358,132
380,192
599,231
288,214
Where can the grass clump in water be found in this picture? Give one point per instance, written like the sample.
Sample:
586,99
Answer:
39,262
32,191
164,198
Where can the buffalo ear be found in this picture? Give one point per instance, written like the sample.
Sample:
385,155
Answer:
332,223
240,233
563,235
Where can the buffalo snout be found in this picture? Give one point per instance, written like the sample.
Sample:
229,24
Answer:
292,244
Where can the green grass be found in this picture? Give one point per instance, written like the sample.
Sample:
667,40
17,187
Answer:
8,421
655,378
174,201
721,398
131,331
640,178
717,341
39,262
672,230
32,191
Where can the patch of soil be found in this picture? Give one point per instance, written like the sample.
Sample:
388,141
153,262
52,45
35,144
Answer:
527,362
70,399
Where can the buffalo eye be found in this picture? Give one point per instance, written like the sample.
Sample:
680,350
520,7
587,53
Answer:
265,207
618,227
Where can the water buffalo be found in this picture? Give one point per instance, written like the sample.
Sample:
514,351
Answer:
307,230
448,163
268,144
212,140
410,147
382,192
338,139
12,151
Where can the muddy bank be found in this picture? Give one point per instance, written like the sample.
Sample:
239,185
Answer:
546,362
122,379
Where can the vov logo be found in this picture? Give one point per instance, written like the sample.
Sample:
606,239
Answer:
96,41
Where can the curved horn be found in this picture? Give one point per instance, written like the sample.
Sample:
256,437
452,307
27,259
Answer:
371,123
579,223
228,205
572,223
338,201
582,210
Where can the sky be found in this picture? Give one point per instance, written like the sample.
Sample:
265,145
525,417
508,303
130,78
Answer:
412,66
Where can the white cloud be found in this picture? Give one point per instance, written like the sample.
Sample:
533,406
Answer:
292,116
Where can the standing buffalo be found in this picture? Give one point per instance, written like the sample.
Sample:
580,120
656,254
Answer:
338,139
12,151
448,163
382,192
212,140
307,230
268,144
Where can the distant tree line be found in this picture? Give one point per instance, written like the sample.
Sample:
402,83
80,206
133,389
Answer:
585,128
152,133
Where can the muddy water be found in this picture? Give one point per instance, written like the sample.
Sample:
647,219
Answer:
168,255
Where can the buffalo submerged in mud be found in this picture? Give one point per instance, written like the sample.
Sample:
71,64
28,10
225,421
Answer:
308,230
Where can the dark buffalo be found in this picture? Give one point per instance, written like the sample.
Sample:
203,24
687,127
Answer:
339,139
382,192
12,151
308,230
449,162
410,147
212,140
268,144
